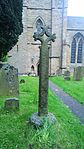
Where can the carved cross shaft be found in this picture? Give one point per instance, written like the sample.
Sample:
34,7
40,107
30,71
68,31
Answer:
44,69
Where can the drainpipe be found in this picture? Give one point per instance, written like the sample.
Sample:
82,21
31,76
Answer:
52,9
51,32
50,48
61,60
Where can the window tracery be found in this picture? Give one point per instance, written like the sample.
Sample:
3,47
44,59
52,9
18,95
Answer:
77,48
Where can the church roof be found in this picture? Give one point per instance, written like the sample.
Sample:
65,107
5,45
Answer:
75,23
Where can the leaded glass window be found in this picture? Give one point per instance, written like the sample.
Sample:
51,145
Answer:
77,48
80,47
73,51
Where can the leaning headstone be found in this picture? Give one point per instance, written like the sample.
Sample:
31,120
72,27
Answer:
67,75
9,84
11,104
78,75
44,37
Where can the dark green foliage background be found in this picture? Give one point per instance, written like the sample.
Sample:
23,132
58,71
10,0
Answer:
10,24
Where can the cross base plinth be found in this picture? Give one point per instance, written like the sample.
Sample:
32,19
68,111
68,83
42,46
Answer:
38,121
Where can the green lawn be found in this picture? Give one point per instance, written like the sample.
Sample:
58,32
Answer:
74,88
17,133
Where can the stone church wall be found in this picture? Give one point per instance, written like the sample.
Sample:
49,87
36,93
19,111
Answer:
25,54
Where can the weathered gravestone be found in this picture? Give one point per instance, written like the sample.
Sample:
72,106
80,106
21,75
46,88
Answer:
9,84
37,118
58,72
11,104
67,75
82,71
78,73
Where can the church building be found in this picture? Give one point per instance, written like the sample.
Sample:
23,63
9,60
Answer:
65,53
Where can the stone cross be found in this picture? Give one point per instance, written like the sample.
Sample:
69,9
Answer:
44,68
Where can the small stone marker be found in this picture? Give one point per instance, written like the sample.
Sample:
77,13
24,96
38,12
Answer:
22,81
67,75
37,118
11,104
78,73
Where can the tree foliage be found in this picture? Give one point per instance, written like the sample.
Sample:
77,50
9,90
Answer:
10,24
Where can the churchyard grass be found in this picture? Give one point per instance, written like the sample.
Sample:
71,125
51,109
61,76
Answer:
73,88
17,133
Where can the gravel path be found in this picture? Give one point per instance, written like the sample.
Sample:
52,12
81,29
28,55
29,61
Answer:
73,104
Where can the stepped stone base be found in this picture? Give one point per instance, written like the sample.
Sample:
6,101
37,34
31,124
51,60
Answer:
38,121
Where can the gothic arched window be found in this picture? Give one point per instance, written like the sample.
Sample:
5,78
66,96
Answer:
77,48
80,47
73,51
39,24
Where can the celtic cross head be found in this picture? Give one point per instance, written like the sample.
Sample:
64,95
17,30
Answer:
39,36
